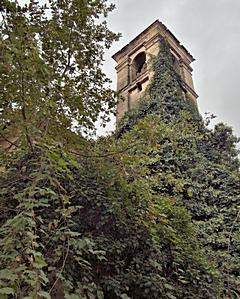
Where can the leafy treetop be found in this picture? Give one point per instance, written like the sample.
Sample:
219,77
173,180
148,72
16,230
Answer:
51,79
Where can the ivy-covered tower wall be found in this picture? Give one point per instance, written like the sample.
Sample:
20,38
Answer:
134,71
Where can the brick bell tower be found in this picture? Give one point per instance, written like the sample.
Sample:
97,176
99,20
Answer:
133,74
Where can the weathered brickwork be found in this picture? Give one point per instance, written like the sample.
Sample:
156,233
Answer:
133,73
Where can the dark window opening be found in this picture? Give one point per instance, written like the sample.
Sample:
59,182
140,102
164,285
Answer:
139,65
175,63
139,86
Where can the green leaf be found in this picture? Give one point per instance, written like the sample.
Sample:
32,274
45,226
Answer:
100,295
7,274
171,296
168,286
7,291
183,281
44,294
39,262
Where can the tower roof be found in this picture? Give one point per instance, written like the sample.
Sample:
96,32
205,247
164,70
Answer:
163,30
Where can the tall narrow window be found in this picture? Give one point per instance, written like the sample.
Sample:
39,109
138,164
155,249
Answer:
139,65
176,65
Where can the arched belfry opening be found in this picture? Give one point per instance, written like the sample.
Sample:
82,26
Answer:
139,65
133,75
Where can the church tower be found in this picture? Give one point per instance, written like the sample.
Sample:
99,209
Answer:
133,74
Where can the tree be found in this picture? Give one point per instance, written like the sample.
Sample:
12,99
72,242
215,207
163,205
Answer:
150,212
51,79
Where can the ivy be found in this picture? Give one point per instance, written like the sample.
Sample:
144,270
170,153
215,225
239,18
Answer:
192,163
150,212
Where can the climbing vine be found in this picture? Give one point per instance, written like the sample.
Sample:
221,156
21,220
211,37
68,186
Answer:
150,212
198,165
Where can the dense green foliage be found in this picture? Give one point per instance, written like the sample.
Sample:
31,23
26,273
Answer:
150,212
51,79
194,164
67,227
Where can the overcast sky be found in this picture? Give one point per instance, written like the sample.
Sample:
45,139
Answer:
209,29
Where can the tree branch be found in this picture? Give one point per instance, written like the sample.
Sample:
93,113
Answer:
62,268
9,141
108,154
